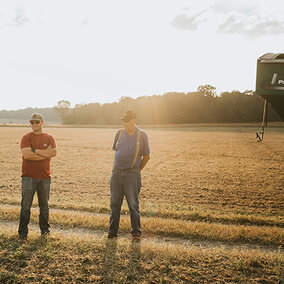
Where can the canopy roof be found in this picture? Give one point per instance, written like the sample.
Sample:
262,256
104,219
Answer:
270,80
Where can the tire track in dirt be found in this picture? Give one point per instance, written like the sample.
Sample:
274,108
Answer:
147,237
185,220
101,235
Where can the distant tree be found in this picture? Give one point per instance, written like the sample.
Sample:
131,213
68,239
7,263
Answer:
172,108
126,100
63,104
207,90
23,115
64,111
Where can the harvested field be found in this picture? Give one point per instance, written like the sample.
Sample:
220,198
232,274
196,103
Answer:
190,170
205,184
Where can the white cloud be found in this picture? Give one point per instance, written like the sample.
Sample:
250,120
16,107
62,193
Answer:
250,18
184,22
240,6
251,26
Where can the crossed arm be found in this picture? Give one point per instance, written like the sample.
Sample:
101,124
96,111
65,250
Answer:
38,154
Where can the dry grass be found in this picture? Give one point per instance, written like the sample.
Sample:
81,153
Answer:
209,175
186,213
79,258
165,227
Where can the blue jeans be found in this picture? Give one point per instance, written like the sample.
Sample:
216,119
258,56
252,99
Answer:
125,183
29,187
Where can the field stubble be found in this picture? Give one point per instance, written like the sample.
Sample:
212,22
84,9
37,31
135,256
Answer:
225,172
211,177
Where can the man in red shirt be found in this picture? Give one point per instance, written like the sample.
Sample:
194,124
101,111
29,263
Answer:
37,150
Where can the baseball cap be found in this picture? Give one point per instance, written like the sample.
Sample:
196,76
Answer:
36,116
128,115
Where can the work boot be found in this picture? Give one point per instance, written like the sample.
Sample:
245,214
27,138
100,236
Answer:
47,235
111,236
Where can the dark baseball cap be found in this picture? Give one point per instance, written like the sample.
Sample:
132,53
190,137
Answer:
36,116
128,115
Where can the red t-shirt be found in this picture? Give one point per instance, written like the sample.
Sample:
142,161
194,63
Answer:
37,169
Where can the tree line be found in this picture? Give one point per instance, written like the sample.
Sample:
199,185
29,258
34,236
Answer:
202,106
23,115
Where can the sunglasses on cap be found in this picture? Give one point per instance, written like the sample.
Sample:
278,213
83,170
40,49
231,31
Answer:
34,122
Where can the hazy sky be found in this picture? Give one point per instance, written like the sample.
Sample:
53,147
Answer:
100,50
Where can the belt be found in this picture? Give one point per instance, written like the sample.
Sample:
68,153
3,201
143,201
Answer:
125,170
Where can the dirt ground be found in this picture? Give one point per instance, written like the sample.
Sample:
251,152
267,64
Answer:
209,168
197,179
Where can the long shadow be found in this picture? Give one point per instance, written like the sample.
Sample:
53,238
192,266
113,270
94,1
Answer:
110,265
135,254
16,255
134,262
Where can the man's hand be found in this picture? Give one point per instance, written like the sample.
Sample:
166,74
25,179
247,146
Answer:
37,154
47,153
144,161
28,154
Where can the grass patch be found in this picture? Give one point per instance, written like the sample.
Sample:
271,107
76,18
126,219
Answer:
79,258
173,212
163,227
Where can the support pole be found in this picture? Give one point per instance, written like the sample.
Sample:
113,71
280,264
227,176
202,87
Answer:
264,117
260,134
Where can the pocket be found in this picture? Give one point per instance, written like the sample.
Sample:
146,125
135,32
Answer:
46,182
26,182
27,186
113,177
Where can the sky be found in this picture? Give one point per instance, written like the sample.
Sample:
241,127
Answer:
88,51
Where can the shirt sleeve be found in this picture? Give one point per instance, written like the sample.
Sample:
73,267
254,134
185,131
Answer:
115,140
146,146
25,142
52,142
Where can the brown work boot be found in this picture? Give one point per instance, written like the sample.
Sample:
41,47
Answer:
111,235
47,235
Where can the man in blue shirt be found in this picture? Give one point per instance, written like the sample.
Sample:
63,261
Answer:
132,152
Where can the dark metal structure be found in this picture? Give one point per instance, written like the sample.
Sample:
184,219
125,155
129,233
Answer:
270,85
